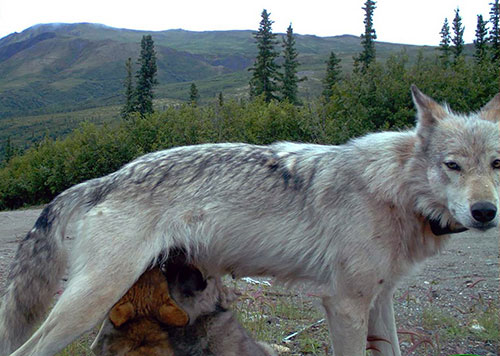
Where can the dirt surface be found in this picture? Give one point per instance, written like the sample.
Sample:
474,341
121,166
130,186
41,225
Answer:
448,306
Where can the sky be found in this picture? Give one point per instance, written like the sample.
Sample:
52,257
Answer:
398,21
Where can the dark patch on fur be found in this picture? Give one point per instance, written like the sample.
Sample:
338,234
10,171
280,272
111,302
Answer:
45,220
290,179
99,191
286,176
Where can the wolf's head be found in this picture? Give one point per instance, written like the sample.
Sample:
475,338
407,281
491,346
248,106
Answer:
462,158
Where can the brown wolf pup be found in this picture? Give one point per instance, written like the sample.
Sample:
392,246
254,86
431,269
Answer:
135,323
147,321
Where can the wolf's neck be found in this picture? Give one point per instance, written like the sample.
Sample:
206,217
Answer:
391,168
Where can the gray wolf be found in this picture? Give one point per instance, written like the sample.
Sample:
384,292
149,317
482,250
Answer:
353,219
148,321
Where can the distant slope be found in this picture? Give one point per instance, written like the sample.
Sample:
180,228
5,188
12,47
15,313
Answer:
61,67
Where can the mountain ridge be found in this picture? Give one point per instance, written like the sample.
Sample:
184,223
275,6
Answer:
60,66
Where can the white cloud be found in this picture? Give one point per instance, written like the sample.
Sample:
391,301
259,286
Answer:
402,21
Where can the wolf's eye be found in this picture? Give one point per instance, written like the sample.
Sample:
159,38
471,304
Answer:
496,164
452,165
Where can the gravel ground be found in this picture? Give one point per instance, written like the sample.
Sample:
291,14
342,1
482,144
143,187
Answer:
450,305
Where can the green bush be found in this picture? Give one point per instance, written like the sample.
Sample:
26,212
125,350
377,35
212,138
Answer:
378,99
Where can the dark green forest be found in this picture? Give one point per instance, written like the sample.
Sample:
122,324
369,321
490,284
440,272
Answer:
371,97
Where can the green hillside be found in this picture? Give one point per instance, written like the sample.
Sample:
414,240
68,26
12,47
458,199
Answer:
65,67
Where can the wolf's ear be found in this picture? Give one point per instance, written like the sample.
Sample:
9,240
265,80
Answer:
428,111
491,111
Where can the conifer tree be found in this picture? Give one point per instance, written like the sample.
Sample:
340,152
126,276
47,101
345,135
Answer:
220,99
146,76
458,36
481,41
444,45
9,150
265,70
333,72
494,37
129,106
289,88
367,56
194,96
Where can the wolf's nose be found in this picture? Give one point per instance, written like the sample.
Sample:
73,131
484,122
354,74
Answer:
483,211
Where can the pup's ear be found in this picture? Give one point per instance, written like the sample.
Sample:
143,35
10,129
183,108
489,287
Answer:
170,314
491,111
121,313
428,111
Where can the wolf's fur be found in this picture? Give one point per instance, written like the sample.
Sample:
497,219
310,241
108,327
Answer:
353,218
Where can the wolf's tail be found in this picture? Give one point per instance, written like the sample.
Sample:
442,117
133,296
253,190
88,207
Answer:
35,274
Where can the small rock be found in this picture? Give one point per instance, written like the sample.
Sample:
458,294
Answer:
281,349
476,327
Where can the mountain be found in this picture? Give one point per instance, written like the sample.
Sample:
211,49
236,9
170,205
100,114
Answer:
61,67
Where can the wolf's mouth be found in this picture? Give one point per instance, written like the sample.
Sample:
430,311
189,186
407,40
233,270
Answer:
484,227
451,228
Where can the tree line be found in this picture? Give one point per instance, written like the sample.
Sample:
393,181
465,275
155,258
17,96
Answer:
373,96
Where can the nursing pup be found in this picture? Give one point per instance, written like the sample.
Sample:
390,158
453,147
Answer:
147,321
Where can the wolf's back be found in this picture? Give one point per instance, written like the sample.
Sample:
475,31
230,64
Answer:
35,273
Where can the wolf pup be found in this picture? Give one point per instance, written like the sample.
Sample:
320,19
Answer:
214,331
353,219
135,323
148,322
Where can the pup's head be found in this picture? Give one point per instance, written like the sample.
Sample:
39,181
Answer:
195,294
462,160
148,298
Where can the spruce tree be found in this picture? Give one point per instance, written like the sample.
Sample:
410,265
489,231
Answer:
194,96
444,45
220,100
146,77
458,36
367,56
290,88
9,150
333,72
494,37
265,71
481,41
129,106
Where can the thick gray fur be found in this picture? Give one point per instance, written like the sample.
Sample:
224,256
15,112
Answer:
351,218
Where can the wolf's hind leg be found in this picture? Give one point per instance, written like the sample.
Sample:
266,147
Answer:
90,293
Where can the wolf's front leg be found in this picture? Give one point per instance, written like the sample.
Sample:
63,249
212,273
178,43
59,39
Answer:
348,324
382,331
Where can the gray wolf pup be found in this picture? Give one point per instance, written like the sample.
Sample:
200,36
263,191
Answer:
353,218
146,331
